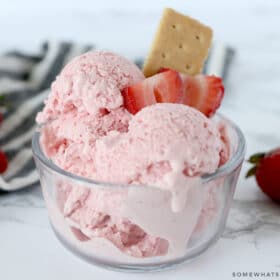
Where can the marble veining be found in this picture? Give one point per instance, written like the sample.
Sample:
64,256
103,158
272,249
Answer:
247,217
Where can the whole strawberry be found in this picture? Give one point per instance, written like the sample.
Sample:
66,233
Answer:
267,172
3,162
3,157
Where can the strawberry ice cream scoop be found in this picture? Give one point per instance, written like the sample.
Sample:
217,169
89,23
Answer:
90,83
162,139
85,103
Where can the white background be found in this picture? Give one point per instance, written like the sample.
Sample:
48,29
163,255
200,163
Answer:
28,249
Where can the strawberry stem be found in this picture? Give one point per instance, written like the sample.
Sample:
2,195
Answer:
251,172
255,159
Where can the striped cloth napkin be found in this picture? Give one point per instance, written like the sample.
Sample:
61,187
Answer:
25,81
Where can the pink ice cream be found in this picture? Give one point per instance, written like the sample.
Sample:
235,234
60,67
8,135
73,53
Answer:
87,131
90,84
162,139
85,103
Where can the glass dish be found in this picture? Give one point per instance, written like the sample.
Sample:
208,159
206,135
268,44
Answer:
200,226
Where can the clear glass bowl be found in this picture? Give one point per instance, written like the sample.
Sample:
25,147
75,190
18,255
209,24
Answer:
194,229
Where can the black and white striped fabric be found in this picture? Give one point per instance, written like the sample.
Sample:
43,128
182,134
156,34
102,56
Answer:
25,81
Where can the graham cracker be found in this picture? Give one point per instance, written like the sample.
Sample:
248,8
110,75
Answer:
181,43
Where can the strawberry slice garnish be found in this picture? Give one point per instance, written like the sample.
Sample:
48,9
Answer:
205,93
164,87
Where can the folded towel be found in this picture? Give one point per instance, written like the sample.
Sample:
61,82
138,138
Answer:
25,81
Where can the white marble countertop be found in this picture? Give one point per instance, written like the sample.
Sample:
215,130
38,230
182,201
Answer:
250,243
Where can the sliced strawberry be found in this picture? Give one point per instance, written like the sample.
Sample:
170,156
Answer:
136,98
164,87
205,93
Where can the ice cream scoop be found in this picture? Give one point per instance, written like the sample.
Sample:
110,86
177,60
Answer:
90,84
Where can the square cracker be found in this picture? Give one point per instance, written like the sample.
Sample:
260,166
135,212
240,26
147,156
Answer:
181,43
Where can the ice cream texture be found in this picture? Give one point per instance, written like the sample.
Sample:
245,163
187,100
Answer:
164,149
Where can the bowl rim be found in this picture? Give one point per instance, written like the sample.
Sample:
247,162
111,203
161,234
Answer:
236,159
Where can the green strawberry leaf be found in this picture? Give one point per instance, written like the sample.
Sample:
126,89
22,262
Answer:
251,172
255,159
